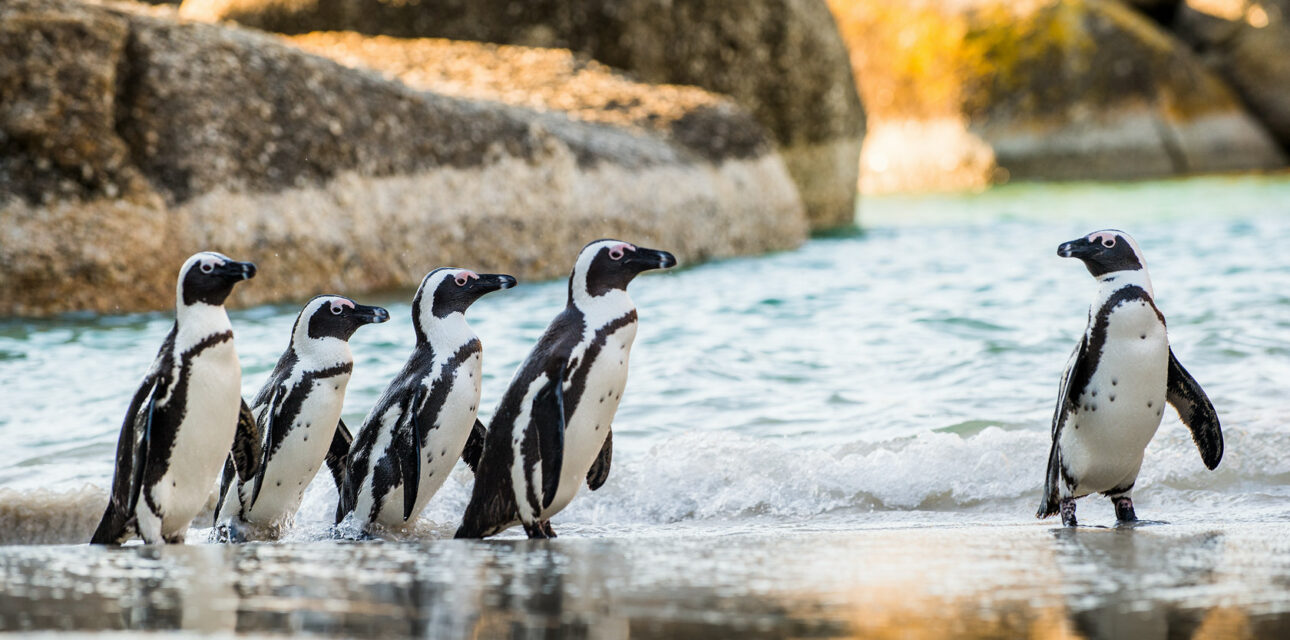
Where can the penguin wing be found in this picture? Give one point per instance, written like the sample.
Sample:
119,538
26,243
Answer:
546,425
271,433
337,452
1052,478
1196,411
599,472
474,449
407,448
244,459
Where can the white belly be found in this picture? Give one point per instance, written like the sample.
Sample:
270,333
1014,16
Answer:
203,439
297,461
1102,444
585,432
443,444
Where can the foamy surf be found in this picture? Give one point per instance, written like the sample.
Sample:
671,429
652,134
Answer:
700,477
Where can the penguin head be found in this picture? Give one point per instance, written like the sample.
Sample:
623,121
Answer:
609,265
208,278
450,290
1105,251
331,316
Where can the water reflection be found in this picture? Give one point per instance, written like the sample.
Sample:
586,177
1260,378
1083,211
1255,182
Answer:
1167,581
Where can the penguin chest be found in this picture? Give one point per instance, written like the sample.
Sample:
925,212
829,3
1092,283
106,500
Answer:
203,437
1120,408
587,427
297,460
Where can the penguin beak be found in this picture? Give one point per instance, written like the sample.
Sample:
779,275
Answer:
643,259
236,271
1080,248
370,315
489,282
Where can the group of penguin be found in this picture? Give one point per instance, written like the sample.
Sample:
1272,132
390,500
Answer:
188,426
187,423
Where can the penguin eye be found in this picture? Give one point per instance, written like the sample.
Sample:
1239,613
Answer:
1108,242
616,253
461,280
336,309
207,267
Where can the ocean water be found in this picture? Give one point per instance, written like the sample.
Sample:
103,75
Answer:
903,375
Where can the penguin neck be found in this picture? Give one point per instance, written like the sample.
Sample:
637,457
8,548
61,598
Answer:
322,353
447,333
198,320
1113,281
598,310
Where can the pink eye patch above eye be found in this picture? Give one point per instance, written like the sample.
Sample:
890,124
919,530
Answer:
619,250
338,305
465,276
1107,239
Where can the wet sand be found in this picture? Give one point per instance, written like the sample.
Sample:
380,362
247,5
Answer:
1033,580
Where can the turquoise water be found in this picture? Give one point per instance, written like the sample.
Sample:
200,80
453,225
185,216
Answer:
906,374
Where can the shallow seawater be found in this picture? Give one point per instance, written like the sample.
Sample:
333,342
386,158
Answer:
791,422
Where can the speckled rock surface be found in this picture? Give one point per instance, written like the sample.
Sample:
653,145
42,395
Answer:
169,137
970,93
780,59
1247,42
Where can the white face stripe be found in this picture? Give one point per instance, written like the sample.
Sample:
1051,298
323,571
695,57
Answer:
197,260
1114,236
585,258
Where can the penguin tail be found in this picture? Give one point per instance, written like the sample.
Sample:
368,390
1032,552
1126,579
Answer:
113,527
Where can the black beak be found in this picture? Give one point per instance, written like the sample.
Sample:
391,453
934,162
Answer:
236,271
370,315
643,259
1080,248
489,282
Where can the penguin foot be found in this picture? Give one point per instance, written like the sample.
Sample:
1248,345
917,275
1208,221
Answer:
1124,509
536,531
546,528
1067,507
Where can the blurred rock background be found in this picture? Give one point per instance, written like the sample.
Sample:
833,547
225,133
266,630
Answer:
353,145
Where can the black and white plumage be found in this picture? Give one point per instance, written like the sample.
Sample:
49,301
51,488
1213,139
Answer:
1115,386
552,428
425,420
297,417
181,422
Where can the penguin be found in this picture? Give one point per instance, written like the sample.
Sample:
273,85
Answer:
426,418
297,417
552,427
182,420
1116,384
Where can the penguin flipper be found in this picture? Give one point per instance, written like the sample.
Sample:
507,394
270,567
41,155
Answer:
1196,411
474,449
548,416
272,434
407,444
247,449
1052,478
131,459
337,453
599,471
226,481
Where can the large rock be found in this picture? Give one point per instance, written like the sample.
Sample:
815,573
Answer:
1248,43
969,93
128,141
781,59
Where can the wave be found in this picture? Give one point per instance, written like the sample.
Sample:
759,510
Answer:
713,476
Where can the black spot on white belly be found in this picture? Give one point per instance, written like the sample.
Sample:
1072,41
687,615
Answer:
1149,404
1114,382
279,483
1144,336
1095,393
1113,397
